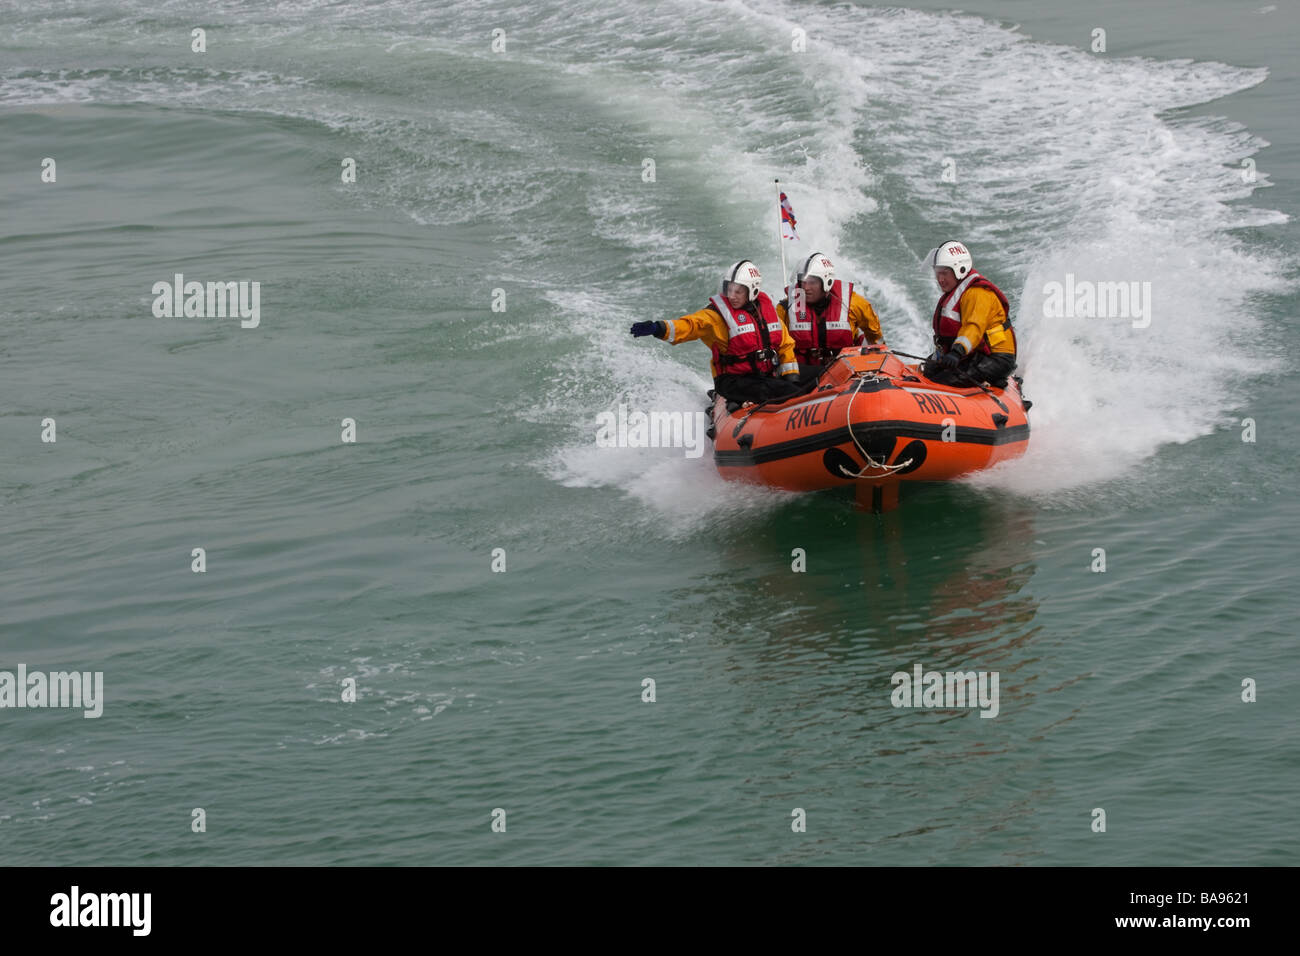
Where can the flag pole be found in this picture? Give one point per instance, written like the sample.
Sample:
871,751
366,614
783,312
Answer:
780,234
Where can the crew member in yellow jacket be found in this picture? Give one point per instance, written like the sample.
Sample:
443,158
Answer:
973,338
832,315
753,353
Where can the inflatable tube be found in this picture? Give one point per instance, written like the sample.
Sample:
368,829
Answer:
871,421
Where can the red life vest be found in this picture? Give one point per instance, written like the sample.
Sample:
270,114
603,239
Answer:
751,347
819,334
947,314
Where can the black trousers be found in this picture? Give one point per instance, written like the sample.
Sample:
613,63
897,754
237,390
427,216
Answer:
993,369
765,388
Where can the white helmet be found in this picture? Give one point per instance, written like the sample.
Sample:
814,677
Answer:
745,273
818,267
952,255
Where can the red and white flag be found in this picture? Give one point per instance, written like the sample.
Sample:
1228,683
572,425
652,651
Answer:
787,219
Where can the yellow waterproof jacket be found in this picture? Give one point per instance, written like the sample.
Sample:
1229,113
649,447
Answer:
862,317
710,328
982,316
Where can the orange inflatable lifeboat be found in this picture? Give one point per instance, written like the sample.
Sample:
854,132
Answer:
871,422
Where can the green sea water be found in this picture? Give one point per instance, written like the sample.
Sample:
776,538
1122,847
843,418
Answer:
465,302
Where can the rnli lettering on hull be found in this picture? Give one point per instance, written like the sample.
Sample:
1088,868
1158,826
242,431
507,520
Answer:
935,402
814,413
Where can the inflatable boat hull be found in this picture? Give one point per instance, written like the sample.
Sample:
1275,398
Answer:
873,421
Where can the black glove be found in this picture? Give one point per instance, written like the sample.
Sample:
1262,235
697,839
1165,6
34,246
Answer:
648,328
949,359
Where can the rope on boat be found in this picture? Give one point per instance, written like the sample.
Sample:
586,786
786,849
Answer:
871,462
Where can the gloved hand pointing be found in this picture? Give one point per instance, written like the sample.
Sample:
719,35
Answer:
648,328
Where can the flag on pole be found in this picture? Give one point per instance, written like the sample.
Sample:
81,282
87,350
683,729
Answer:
787,219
